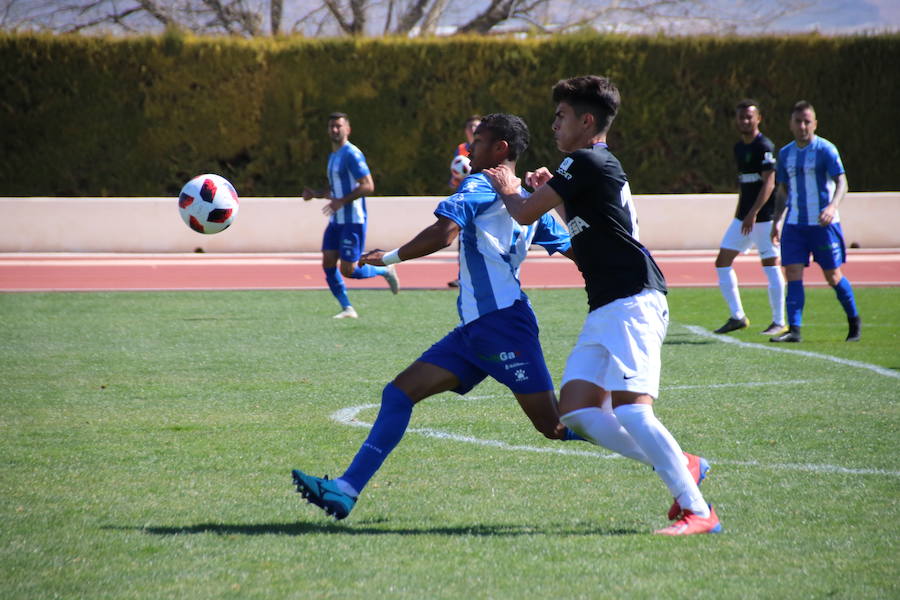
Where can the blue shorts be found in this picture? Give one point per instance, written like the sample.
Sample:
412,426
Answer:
503,344
348,238
826,244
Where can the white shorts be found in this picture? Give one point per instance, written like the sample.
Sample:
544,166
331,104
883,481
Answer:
760,237
620,345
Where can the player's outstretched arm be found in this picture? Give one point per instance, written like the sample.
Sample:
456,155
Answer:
436,236
525,211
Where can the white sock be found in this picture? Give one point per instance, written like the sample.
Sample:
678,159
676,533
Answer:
603,429
668,459
776,293
728,285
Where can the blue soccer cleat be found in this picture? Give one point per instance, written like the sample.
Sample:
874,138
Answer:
324,493
698,466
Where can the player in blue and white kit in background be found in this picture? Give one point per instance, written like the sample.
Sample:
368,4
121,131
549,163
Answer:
498,332
811,183
350,181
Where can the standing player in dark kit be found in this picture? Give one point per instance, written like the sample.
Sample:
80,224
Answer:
612,375
752,224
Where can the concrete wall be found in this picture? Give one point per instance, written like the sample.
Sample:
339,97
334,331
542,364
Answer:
667,222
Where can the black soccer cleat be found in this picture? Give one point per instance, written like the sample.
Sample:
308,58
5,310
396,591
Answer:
855,324
791,335
733,324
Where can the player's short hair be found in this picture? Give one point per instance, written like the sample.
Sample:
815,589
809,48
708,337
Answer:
590,93
508,128
802,105
747,103
339,115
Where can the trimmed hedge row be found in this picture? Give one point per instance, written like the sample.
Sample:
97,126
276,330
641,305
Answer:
139,116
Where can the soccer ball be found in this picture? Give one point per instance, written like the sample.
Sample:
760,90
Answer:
208,203
460,166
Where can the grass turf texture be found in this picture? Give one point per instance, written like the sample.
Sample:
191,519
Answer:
149,437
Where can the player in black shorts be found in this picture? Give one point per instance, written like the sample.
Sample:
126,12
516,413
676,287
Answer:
752,224
612,375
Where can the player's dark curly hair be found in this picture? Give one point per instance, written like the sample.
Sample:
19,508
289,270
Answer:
590,93
508,128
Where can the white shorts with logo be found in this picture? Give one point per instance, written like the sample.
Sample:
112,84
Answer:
620,345
760,236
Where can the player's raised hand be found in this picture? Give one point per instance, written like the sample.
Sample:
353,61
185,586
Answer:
373,258
535,179
503,179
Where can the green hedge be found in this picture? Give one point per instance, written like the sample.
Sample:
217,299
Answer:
139,116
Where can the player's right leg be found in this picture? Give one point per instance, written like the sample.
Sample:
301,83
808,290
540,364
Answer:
733,243
330,255
337,497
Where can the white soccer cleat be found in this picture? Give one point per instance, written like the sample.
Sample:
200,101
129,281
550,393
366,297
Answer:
348,313
392,280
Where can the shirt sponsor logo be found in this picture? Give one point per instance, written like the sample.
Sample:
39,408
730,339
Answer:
563,168
576,225
520,375
749,177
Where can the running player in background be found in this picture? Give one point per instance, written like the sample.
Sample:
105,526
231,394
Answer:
498,332
612,375
752,224
464,148
811,183
350,181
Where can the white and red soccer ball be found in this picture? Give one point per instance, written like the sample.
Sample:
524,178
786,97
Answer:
208,203
460,166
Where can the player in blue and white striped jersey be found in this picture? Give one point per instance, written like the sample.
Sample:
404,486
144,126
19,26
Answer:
498,333
350,181
811,183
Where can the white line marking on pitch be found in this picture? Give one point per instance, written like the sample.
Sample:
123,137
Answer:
841,361
347,416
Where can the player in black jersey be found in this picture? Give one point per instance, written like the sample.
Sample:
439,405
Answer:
752,224
612,375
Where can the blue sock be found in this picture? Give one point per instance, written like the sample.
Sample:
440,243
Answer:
336,285
389,427
796,298
571,436
366,271
844,293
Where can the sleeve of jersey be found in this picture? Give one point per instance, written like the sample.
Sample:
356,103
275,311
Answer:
357,164
551,235
768,157
460,208
781,175
568,176
833,161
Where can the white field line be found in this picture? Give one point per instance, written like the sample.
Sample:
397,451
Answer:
777,348
347,416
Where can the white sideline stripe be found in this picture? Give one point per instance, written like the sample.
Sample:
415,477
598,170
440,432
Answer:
841,361
347,416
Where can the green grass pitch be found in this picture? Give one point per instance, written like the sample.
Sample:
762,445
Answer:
148,440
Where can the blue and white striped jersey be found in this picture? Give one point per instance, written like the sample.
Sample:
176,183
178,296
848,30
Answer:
345,166
492,247
809,174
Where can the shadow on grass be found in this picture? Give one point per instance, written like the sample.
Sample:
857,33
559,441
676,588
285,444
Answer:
304,528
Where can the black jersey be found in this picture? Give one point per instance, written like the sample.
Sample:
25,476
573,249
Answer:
753,160
603,224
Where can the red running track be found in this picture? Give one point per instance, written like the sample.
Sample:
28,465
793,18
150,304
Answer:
28,272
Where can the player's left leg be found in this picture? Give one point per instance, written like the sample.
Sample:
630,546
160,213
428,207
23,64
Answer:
768,254
831,254
353,240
